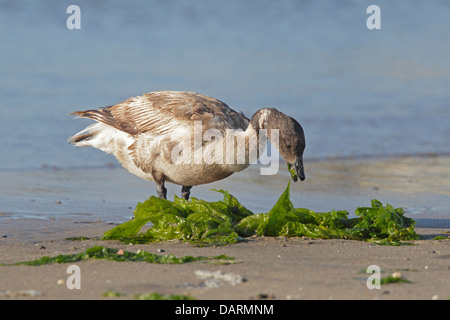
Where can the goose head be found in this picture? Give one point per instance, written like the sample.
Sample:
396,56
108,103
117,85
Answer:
291,139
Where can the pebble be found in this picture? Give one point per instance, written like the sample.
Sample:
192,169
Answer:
293,297
120,252
396,275
218,278
265,296
60,281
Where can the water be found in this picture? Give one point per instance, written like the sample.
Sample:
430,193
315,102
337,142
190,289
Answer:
357,92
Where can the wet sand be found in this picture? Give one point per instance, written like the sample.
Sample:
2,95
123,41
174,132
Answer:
40,209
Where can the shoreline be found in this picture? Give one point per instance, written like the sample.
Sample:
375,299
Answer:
421,185
110,165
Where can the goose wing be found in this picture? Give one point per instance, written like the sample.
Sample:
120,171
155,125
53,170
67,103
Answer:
162,112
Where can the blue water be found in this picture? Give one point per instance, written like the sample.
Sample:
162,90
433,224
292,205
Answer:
357,92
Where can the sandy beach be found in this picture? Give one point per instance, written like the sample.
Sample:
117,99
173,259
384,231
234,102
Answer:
266,268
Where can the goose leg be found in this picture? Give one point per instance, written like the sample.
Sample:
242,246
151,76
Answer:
185,192
162,191
159,180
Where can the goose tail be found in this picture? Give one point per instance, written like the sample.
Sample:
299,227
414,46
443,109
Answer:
81,138
101,115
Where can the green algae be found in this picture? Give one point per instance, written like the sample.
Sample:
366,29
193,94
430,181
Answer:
157,296
441,238
226,222
392,279
147,296
100,252
292,172
378,223
196,221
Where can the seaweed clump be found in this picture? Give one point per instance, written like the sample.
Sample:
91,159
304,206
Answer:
227,221
104,253
196,221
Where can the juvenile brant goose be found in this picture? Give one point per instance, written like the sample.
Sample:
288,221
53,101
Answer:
184,138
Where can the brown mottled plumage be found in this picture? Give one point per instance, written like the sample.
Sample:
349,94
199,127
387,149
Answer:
140,132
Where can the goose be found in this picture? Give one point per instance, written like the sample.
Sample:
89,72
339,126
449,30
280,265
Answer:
145,132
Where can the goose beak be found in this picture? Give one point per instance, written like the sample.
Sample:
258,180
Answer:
298,165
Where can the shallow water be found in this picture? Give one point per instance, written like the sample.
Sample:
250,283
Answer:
420,185
357,92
